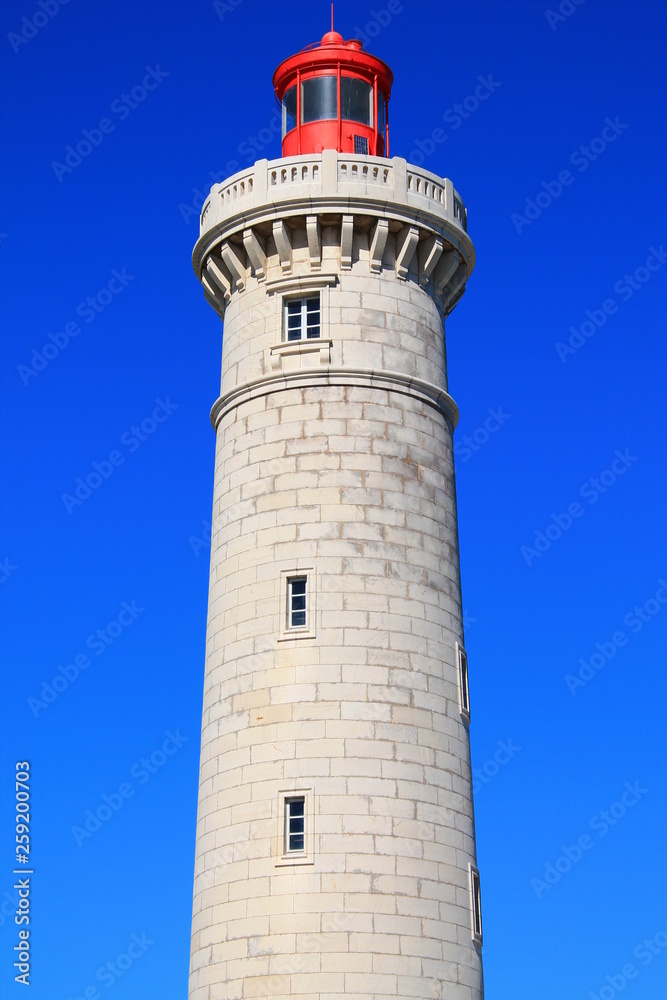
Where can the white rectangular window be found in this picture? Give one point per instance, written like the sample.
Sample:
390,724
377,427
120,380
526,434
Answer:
295,840
475,904
302,318
295,830
464,691
297,602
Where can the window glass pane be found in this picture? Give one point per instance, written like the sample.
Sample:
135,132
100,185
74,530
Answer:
381,113
319,99
294,320
295,824
313,318
289,110
297,609
465,696
477,905
302,318
356,100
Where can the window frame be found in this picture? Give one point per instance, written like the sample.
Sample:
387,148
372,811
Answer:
320,97
282,855
475,887
294,597
287,630
291,300
463,681
382,116
346,81
299,287
289,819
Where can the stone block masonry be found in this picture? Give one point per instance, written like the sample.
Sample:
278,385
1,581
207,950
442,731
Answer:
334,463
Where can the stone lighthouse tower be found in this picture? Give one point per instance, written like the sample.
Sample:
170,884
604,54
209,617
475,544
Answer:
335,836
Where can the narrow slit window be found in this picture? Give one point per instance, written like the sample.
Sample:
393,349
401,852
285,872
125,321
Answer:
476,905
295,841
464,690
295,819
297,610
302,318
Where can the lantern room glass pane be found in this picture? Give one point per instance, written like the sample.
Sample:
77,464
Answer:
319,99
381,113
289,110
356,100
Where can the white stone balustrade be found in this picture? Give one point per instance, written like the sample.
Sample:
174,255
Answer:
332,176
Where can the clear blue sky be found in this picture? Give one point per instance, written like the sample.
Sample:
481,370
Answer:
117,229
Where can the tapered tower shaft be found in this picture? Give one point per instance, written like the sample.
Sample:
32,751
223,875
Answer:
335,835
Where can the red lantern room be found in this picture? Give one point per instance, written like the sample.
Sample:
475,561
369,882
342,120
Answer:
334,96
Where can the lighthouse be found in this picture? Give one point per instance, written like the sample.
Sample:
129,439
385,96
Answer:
335,847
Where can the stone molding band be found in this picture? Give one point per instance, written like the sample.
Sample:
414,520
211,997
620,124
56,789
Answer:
425,392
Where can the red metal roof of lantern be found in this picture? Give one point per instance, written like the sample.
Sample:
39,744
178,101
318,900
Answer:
334,96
